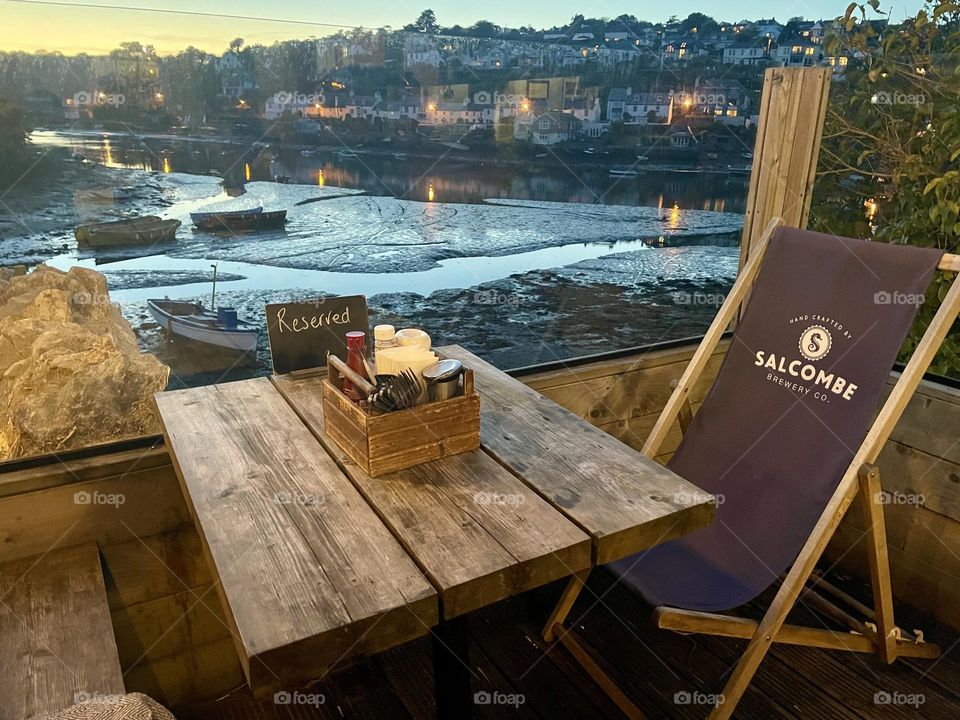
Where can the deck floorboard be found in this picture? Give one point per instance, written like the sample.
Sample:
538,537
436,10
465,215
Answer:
651,666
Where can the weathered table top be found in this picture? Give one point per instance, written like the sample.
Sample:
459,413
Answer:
317,561
307,573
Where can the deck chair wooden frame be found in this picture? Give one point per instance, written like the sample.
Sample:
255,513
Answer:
878,632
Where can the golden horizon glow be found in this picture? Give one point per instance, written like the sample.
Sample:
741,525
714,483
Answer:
97,30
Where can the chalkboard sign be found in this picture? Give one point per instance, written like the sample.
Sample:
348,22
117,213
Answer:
301,333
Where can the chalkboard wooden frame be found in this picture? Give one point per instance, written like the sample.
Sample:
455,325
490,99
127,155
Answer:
300,333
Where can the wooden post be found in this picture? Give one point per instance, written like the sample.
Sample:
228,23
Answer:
792,109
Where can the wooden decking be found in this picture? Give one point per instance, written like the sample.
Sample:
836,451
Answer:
664,673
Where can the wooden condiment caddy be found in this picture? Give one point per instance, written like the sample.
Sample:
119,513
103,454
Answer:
383,442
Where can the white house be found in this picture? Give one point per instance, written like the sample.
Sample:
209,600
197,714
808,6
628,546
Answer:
799,53
639,108
441,113
750,51
553,127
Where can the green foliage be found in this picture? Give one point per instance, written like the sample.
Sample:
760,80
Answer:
891,142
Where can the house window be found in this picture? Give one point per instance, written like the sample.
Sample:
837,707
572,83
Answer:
544,124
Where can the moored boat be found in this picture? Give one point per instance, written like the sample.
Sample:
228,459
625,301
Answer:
623,172
192,321
135,231
197,217
242,221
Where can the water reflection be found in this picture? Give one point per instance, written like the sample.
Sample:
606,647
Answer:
456,179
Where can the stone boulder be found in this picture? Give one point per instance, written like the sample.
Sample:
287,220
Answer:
71,373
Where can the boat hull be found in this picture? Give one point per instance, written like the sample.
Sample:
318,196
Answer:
242,339
242,222
199,217
142,231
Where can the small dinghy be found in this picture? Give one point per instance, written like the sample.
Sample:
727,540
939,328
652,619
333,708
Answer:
192,321
242,221
197,217
145,230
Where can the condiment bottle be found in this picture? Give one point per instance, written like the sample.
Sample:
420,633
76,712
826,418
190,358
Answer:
356,343
384,336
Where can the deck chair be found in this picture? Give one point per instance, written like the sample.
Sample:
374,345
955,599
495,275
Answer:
785,444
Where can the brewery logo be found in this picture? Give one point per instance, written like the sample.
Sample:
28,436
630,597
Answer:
802,374
815,342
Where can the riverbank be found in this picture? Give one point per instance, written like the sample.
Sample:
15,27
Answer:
519,281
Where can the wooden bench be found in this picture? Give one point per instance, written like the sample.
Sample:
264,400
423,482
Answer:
56,640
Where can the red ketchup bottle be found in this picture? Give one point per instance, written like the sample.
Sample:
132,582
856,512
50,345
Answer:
356,341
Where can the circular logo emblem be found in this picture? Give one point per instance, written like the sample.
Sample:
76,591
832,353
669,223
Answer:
815,342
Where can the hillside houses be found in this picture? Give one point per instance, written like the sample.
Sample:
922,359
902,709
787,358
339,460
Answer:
631,108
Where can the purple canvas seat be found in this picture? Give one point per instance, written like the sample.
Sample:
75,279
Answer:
793,400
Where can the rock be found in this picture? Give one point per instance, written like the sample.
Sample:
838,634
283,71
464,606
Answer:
71,373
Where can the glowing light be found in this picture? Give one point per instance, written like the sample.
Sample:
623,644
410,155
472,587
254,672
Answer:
166,165
430,193
432,107
321,180
247,173
871,208
158,97
675,216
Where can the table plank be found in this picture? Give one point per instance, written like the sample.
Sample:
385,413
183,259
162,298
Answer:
308,574
57,640
477,532
623,500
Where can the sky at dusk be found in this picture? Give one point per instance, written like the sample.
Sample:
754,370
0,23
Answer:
95,30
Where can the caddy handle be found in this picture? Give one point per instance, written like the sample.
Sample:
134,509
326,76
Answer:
365,388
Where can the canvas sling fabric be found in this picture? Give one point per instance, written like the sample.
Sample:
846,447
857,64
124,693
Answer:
792,402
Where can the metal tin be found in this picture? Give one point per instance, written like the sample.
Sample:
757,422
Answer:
443,379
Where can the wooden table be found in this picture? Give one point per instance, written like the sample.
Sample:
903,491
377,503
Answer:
318,562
